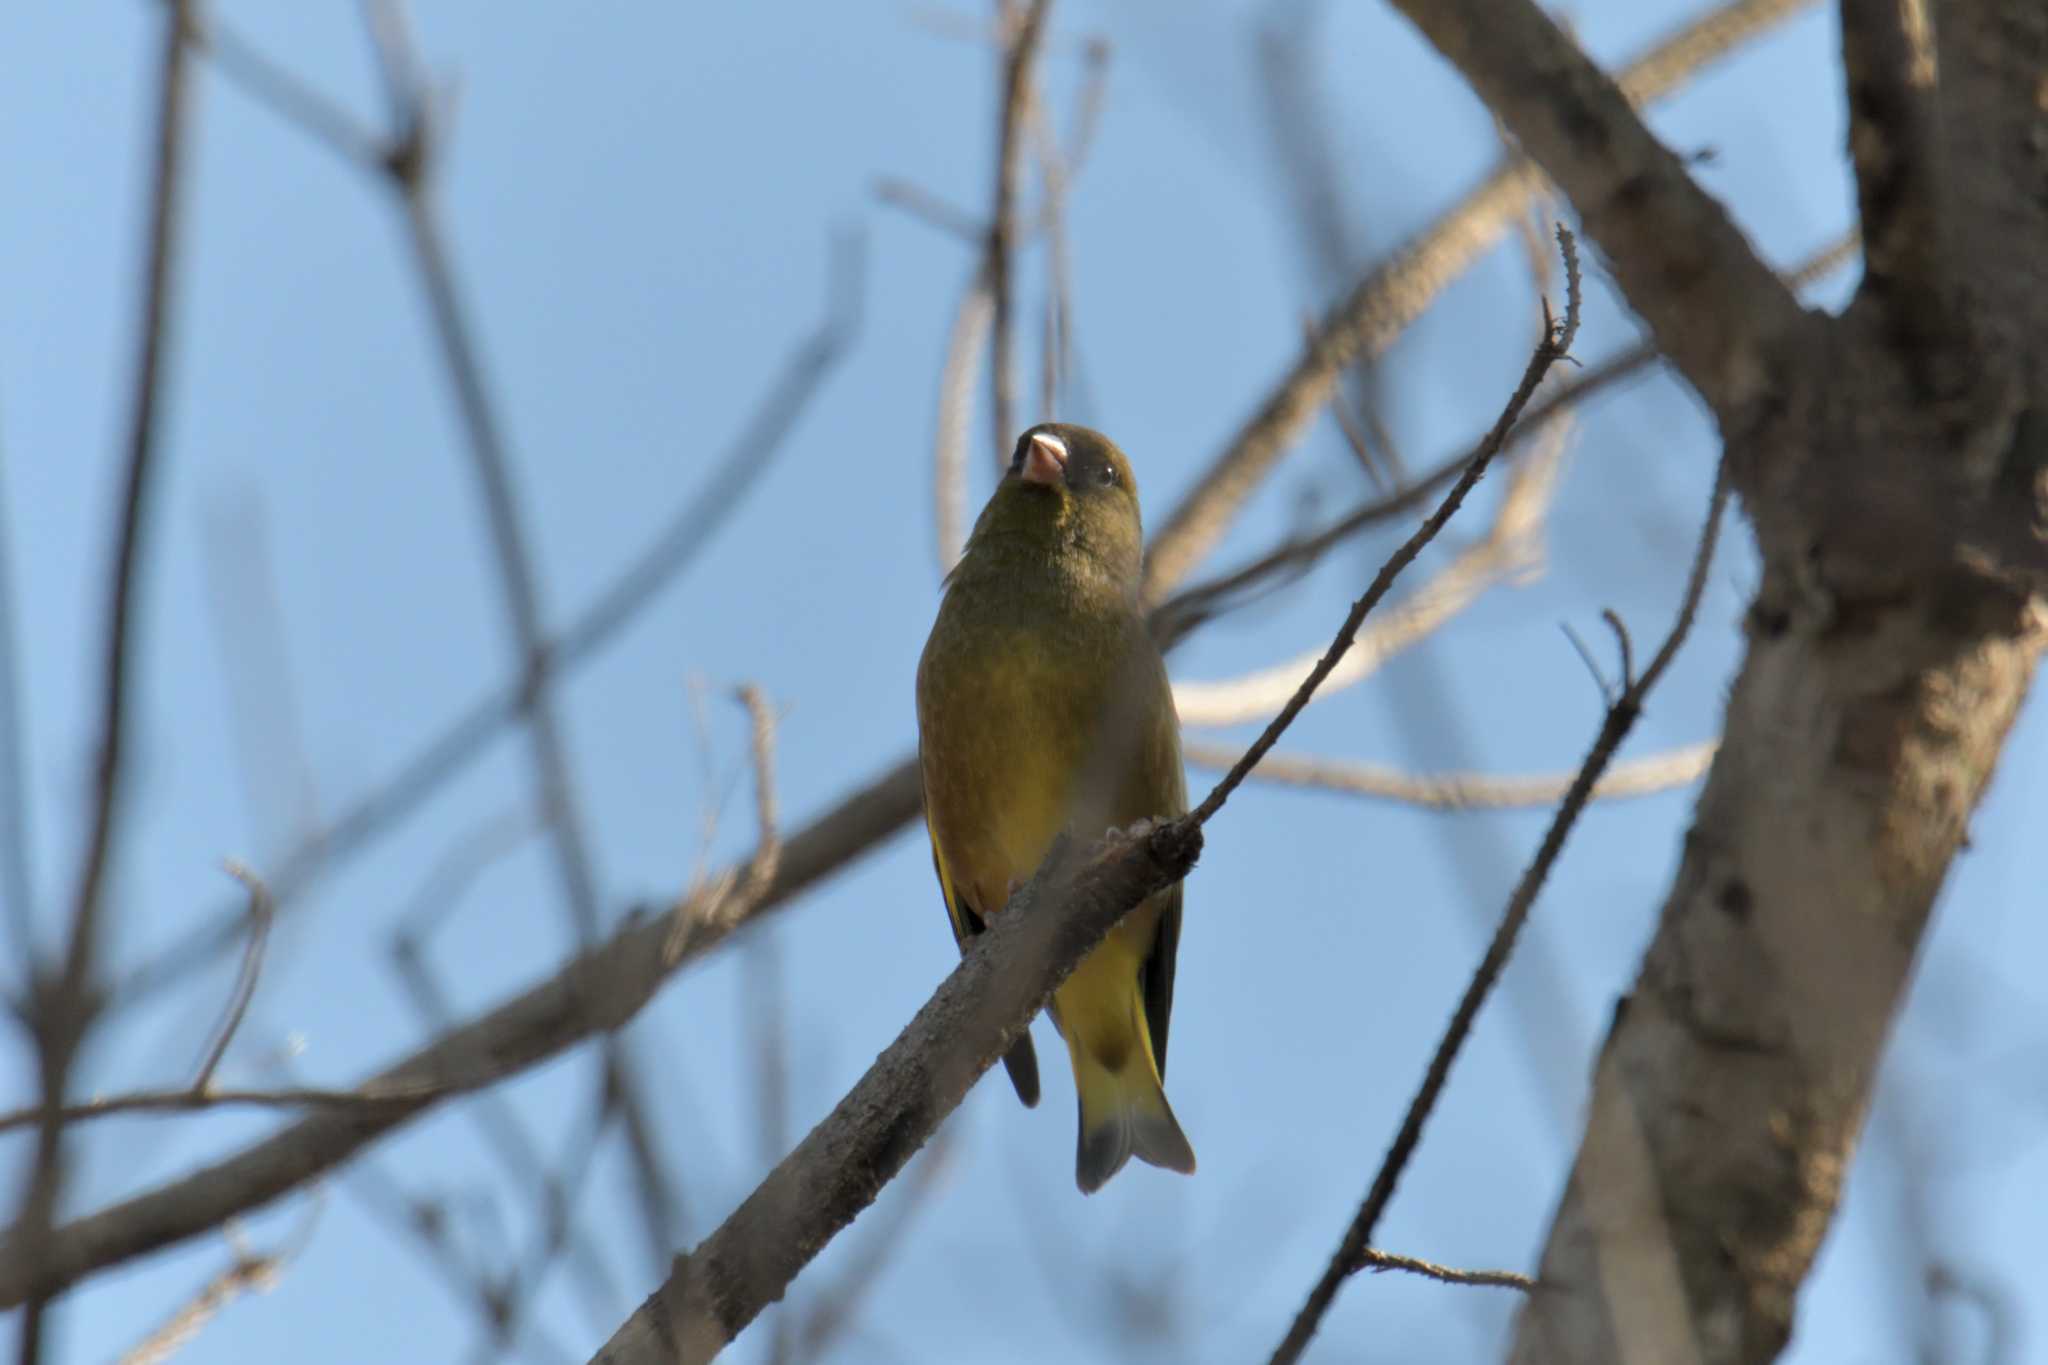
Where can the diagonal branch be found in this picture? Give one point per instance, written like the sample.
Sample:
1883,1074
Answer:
411,166
1191,606
672,551
1003,981
1716,309
593,994
1510,551
1620,719
1397,290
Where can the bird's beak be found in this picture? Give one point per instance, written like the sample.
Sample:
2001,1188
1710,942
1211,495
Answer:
1045,461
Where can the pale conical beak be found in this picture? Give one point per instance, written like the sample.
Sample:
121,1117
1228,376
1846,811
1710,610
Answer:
1045,460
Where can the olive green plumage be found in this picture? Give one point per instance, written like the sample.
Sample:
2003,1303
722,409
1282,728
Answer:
1043,707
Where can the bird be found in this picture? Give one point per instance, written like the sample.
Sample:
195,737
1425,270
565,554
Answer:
1044,711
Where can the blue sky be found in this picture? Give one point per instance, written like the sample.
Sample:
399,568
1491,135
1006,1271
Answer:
640,203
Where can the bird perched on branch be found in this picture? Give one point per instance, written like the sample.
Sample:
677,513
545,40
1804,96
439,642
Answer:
1043,709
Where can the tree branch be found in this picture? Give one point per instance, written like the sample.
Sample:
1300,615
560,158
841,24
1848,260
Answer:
64,1005
1003,981
1893,81
1020,51
1620,719
1373,1259
1510,551
1402,286
657,565
1463,791
597,992
1716,309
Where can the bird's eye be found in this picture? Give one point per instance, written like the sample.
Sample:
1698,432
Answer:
1109,475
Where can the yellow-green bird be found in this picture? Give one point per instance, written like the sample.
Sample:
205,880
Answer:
1043,708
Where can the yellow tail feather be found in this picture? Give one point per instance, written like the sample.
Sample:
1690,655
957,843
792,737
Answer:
1124,1114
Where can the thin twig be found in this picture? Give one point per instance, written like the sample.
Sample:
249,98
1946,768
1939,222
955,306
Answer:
728,897
558,1232
64,1006
1371,1259
248,1274
592,995
1463,791
1620,718
192,1101
1004,978
1020,52
1713,306
1289,46
927,207
1397,290
952,432
418,137
261,910
250,1271
664,559
284,94
500,1124
1555,345
1511,551
1188,608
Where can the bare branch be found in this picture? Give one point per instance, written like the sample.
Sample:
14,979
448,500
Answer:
1181,613
921,204
1620,719
1464,791
284,94
1020,52
250,1271
411,167
1004,979
191,1100
672,551
261,911
1371,1259
834,1309
1713,306
734,894
965,342
64,1004
594,994
1554,346
1397,291
1511,550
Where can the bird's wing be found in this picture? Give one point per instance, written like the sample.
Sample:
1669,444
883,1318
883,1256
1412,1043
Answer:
966,922
1156,975
1021,1061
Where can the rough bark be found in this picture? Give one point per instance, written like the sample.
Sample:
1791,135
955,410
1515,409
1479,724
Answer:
1894,465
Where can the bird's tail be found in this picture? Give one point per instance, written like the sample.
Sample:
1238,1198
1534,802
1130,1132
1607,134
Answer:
1124,1114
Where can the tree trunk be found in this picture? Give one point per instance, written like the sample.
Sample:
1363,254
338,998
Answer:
1894,465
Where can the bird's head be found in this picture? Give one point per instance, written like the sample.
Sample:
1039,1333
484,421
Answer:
1070,491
